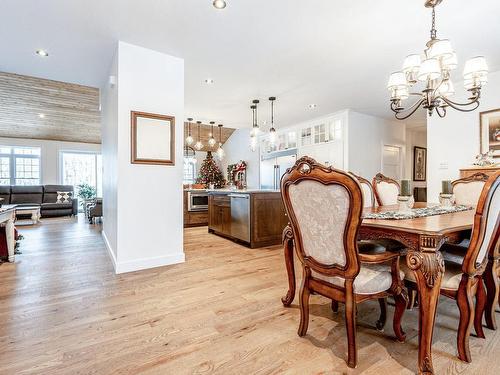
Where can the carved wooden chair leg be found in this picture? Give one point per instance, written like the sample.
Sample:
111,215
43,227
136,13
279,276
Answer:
401,300
335,306
350,320
492,294
304,304
480,306
466,307
383,314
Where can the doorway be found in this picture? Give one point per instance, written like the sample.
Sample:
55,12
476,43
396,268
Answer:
391,162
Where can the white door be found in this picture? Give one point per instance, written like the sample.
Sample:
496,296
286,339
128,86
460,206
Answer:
391,162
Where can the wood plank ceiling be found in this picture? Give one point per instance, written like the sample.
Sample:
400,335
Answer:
38,108
205,131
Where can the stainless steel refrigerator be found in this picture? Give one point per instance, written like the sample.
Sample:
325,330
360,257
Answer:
272,167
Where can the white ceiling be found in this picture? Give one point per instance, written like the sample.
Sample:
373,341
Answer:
337,54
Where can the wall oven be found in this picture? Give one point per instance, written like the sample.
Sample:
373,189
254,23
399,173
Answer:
197,201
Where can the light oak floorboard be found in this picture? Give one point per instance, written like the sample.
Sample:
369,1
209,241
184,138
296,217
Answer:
64,311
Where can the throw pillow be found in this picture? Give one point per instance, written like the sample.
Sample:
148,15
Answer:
64,196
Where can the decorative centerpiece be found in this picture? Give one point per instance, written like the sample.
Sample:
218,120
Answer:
446,198
405,198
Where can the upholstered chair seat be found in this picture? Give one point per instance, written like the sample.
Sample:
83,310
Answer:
451,278
372,279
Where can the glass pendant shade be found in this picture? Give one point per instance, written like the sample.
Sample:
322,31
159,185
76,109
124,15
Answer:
198,145
412,63
397,80
189,140
451,62
272,135
212,141
253,143
220,152
429,70
441,49
475,67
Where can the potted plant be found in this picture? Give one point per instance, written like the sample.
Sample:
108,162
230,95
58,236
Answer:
86,193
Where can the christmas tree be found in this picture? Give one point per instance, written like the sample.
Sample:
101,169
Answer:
210,173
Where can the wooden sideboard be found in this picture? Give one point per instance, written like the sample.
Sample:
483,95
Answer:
466,172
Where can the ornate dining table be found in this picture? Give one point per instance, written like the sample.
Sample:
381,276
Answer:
423,237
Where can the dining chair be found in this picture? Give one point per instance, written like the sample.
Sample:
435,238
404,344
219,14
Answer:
324,206
386,190
467,190
464,281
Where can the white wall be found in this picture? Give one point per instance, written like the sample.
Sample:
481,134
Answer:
237,148
453,141
109,135
50,162
149,230
367,136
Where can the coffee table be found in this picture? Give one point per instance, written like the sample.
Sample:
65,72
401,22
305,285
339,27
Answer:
33,210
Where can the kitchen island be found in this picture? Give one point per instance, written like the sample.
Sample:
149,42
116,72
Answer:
254,217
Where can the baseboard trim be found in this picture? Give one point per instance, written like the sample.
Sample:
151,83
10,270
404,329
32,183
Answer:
110,250
146,263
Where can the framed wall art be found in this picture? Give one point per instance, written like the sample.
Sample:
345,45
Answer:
489,133
419,163
152,138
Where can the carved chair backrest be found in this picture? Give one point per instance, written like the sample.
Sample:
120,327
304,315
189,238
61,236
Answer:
467,190
324,206
486,230
367,189
386,190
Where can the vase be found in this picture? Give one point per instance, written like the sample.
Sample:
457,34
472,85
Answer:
447,200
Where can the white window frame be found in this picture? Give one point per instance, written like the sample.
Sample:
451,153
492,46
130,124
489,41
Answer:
12,162
193,165
83,152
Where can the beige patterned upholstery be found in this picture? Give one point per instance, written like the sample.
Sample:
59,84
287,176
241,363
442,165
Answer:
372,278
467,193
451,278
321,212
492,217
368,197
387,193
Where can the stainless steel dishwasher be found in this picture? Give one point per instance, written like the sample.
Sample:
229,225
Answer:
240,216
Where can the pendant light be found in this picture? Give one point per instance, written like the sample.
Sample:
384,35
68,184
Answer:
272,131
189,138
255,127
211,140
220,151
253,138
198,144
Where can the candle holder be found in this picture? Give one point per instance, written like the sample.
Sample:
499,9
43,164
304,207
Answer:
406,203
447,200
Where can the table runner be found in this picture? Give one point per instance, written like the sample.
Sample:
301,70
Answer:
415,212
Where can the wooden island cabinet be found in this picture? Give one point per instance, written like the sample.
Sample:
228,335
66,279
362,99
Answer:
254,217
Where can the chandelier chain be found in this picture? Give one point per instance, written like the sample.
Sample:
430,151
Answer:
433,29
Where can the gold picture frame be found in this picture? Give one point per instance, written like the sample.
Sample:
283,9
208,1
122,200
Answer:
152,138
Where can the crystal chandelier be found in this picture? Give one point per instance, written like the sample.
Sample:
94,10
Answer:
433,69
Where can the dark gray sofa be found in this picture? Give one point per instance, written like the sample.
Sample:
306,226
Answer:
44,196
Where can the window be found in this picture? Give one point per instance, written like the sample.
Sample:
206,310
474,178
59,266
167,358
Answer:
81,168
189,171
305,136
319,133
19,165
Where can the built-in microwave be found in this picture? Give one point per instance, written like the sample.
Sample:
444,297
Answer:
197,201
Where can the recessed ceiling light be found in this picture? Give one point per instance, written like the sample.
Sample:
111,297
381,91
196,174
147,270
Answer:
219,4
41,115
42,52
312,106
209,81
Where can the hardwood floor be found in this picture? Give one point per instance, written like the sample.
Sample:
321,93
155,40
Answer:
64,311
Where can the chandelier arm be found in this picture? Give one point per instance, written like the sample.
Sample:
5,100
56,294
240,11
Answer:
415,106
460,106
441,114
